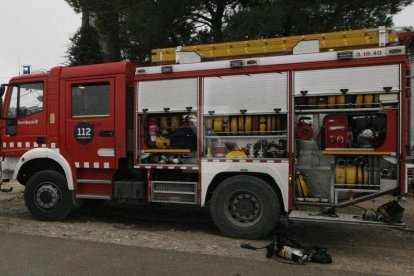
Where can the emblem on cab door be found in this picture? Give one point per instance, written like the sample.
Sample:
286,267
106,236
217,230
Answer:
84,133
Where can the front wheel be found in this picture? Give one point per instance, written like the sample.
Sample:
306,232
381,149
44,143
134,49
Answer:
245,207
47,196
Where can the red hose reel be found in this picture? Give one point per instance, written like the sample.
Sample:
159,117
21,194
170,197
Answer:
304,130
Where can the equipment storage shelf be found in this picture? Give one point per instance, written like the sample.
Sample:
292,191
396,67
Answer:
358,175
230,136
356,152
337,110
346,102
168,140
245,136
357,188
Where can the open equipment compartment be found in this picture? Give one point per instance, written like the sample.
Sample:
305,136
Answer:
245,116
345,126
168,127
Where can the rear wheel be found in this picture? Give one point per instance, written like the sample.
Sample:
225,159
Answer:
245,207
47,196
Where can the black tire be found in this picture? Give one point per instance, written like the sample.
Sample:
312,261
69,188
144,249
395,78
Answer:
47,196
245,207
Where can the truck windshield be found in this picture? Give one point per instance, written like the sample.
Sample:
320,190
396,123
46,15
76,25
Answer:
26,99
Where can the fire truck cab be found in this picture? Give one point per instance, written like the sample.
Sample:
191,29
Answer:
253,139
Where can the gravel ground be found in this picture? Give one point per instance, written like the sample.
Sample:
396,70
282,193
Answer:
363,249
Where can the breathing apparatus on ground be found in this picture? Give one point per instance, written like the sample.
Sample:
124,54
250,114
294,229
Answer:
293,251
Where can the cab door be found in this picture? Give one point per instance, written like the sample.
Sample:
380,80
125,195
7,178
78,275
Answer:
90,124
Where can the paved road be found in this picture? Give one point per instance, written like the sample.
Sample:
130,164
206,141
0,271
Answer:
149,241
37,255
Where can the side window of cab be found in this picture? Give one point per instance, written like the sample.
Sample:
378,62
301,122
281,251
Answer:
91,100
25,100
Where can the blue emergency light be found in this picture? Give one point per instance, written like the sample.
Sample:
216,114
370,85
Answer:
26,69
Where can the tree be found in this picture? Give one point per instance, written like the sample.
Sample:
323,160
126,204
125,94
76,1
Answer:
262,21
155,24
211,16
129,29
295,17
104,18
85,47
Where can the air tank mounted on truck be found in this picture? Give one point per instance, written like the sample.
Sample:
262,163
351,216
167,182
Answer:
266,130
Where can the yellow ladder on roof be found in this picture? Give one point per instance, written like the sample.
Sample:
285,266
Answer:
273,46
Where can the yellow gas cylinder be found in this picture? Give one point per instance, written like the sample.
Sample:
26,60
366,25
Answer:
262,124
273,123
351,171
311,102
368,100
233,124
269,123
218,124
331,101
376,99
175,121
359,101
209,123
360,168
241,123
340,171
248,123
278,122
340,101
164,125
163,122
226,124
366,175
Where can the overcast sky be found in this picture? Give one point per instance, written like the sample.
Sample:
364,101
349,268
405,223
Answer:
37,32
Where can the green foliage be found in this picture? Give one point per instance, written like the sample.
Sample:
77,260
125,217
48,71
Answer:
267,22
85,48
295,17
155,24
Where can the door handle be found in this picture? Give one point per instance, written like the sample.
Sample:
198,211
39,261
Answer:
41,140
106,133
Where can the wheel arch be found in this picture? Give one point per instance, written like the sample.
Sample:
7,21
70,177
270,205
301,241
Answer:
220,177
41,159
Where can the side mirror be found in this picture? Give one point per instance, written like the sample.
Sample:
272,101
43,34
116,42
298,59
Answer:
2,90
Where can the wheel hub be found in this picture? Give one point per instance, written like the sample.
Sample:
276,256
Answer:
48,196
244,209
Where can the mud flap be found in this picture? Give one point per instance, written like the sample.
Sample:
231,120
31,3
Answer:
5,190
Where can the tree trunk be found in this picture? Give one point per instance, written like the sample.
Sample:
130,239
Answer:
85,17
217,22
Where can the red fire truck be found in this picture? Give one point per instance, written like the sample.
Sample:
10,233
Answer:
253,138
